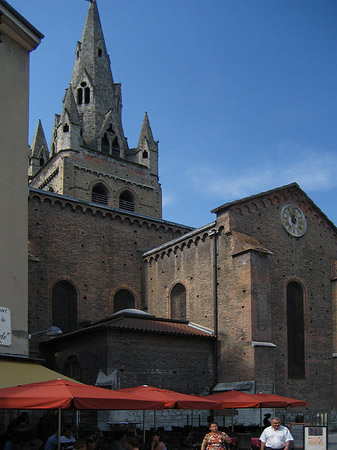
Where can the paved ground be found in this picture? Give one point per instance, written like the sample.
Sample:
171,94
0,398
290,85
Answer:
332,441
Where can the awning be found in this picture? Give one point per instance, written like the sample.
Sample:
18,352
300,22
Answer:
13,373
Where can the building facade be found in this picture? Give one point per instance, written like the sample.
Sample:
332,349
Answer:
261,277
18,39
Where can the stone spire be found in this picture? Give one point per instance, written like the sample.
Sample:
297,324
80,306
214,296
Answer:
147,147
38,154
95,94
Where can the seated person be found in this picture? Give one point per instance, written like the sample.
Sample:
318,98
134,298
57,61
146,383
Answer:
67,440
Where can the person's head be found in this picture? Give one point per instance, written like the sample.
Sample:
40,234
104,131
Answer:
118,435
156,437
23,417
275,423
90,444
267,415
213,426
80,444
67,432
131,443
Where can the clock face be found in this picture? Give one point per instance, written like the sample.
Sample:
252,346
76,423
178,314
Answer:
293,220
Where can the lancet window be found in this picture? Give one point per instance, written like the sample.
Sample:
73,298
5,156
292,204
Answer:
64,306
178,302
295,330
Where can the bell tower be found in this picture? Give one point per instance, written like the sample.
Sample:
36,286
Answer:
89,156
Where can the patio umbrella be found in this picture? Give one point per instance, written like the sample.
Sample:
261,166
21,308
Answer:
234,399
63,394
173,399
277,401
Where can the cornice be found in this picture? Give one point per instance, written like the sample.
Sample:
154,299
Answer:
104,211
179,243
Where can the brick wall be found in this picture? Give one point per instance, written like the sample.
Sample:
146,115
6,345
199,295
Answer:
256,258
166,361
96,249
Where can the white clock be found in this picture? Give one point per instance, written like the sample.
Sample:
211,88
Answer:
293,220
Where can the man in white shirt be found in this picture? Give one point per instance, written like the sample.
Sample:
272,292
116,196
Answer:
276,437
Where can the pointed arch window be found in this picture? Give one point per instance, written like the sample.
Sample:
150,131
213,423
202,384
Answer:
295,330
99,194
115,149
100,52
123,299
87,95
83,94
64,306
178,302
72,368
126,201
79,96
65,128
105,145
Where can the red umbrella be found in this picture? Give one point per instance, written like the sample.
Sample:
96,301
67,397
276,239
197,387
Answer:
63,394
235,399
173,399
277,401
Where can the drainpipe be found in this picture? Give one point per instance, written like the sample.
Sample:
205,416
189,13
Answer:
214,235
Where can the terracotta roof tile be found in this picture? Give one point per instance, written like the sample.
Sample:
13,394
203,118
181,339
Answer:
146,324
157,326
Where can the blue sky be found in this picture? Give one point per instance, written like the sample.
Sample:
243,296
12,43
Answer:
241,94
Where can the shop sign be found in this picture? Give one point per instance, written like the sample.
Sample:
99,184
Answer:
5,327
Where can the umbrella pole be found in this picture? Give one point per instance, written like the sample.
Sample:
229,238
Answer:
261,418
143,426
59,430
232,419
154,420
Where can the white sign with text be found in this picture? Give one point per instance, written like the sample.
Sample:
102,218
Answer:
5,326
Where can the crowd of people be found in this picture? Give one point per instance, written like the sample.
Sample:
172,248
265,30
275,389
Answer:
21,436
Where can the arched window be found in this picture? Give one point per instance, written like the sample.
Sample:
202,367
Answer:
83,94
79,96
178,302
123,299
65,128
99,194
72,368
115,149
105,147
64,306
126,201
295,330
87,95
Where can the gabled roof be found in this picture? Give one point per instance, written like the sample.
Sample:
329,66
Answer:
287,187
138,321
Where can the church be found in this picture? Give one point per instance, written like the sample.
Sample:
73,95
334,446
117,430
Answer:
246,302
